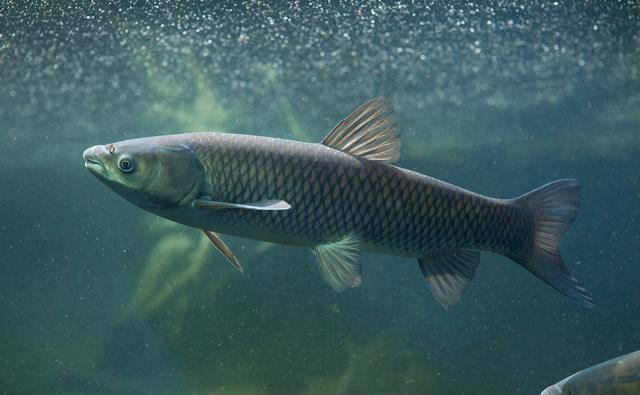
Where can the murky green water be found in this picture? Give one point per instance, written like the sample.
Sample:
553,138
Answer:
99,297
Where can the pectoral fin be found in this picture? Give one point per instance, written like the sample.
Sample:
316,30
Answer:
263,205
222,247
449,274
339,264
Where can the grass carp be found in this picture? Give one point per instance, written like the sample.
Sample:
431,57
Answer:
340,197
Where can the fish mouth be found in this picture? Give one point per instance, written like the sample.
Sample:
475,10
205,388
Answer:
91,161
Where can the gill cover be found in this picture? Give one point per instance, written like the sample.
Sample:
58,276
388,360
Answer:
175,178
150,172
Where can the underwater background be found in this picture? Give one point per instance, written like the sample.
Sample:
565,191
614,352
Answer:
500,97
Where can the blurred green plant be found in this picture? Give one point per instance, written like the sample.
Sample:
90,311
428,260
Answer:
174,271
380,355
192,107
174,262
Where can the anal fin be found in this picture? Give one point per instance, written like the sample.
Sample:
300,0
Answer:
448,274
339,264
222,247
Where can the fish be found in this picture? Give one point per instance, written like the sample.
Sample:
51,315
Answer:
340,197
617,376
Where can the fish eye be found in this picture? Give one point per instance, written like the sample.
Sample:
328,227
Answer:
125,163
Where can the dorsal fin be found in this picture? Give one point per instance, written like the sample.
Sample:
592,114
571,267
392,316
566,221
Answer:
369,132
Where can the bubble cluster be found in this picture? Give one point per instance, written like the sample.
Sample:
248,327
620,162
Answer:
58,59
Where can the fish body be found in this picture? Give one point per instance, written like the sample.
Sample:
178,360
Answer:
618,376
339,197
332,194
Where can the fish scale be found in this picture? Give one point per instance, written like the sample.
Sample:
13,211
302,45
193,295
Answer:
392,210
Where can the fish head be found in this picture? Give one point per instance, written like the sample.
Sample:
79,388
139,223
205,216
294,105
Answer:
152,172
564,387
554,390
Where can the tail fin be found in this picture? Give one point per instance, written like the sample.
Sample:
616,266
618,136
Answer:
554,207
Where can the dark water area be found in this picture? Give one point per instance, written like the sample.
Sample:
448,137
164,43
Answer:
100,297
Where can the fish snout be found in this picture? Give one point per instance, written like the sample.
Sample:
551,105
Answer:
553,390
92,160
